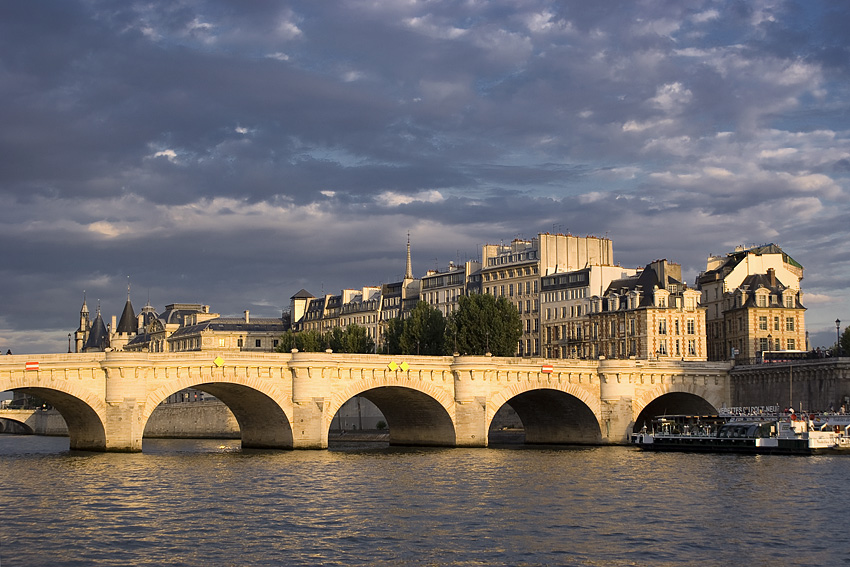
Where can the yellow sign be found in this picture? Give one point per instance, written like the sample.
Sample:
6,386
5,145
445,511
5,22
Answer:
404,366
393,366
218,361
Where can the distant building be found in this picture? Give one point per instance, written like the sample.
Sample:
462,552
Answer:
565,306
754,303
441,290
514,271
649,315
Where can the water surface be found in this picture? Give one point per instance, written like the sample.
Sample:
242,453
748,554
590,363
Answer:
206,502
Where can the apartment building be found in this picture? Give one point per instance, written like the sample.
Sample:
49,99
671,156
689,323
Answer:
514,271
754,303
441,290
565,305
651,315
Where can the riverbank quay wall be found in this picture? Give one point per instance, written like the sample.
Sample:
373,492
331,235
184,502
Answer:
815,385
288,400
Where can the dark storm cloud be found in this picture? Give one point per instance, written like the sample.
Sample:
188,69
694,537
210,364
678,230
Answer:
233,153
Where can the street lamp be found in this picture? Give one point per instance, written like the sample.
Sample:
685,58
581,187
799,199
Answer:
69,342
838,336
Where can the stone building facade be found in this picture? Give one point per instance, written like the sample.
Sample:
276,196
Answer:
754,303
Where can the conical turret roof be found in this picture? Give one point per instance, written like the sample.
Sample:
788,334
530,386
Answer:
98,337
128,323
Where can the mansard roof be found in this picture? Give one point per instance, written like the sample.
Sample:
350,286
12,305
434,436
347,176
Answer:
233,324
735,258
176,312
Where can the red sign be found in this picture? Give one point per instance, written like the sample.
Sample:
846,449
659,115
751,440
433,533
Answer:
546,369
31,366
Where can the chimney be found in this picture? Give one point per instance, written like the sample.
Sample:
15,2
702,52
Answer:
247,317
771,275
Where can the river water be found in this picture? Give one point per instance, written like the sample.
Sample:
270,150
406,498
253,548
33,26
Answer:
208,503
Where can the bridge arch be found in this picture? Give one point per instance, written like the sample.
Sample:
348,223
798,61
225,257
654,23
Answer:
672,399
258,408
15,426
82,413
415,415
562,416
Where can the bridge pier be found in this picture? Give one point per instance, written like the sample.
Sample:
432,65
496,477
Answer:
472,391
309,390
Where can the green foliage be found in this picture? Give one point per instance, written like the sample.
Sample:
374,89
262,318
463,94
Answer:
844,343
381,425
352,339
335,340
424,331
286,342
484,324
356,340
392,336
310,341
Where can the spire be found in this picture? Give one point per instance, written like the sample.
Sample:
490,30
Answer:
408,272
128,323
98,339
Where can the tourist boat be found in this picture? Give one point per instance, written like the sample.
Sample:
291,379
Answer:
741,432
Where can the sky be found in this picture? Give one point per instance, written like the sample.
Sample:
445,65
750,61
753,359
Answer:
233,153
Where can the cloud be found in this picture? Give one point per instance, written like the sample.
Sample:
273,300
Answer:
235,153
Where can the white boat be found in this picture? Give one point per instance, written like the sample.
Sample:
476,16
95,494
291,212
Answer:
787,433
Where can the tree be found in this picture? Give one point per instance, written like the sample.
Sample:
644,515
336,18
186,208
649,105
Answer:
334,339
842,348
424,331
286,342
392,336
352,339
484,324
356,340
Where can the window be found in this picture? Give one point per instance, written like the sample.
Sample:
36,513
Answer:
221,342
662,327
257,343
763,346
789,323
763,323
791,344
691,327
662,347
676,324
761,300
692,347
275,343
239,343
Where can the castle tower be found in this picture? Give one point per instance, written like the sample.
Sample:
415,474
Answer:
98,336
82,332
127,327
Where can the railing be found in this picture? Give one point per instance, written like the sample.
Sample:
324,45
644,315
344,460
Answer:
778,357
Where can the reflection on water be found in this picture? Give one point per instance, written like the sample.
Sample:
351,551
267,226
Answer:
191,502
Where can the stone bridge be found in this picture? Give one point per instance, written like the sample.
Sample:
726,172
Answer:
288,400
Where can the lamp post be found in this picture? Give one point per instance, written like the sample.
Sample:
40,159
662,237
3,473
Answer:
69,342
838,336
